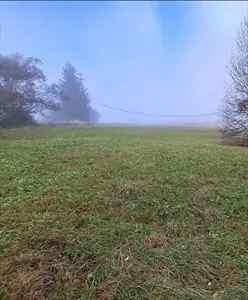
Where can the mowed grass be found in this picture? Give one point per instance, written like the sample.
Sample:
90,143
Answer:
122,213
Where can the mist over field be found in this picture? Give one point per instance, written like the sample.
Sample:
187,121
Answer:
142,62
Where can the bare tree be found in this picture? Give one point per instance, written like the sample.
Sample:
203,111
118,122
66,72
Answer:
235,110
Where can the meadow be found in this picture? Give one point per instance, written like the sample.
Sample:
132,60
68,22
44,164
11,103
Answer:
122,213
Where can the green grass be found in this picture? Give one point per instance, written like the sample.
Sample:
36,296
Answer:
122,213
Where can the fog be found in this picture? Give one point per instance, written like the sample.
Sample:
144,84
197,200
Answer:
142,62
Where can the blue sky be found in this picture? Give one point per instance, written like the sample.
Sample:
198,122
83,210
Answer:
156,57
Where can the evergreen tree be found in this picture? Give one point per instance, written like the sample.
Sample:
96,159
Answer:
74,98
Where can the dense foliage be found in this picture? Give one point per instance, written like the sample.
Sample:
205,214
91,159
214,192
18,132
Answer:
23,90
25,94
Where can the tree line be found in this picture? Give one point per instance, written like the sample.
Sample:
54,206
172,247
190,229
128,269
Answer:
25,94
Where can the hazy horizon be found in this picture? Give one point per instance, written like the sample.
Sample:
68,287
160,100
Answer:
156,58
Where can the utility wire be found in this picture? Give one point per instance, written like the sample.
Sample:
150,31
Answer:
158,115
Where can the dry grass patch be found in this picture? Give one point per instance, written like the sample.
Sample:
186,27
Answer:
156,241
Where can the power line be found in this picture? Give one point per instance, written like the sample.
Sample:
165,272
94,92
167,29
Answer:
158,115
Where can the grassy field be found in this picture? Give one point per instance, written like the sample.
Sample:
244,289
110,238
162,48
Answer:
122,213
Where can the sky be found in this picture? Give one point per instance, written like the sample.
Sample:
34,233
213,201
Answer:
160,58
